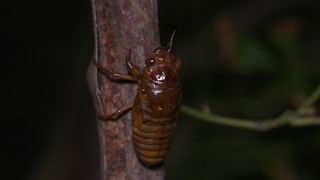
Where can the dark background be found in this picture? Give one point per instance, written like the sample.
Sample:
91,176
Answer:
246,59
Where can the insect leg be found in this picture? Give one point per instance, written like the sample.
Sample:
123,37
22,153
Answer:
115,76
116,114
178,63
133,69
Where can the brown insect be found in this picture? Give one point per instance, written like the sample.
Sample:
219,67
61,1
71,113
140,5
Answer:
156,106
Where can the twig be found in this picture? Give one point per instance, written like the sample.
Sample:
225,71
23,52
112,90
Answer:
292,118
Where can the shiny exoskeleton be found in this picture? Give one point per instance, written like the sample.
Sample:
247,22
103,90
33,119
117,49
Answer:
156,106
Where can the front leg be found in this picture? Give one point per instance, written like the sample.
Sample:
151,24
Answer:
115,76
134,70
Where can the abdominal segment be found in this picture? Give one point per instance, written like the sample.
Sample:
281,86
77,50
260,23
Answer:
153,139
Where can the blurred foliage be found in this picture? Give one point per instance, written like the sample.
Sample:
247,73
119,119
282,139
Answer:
253,71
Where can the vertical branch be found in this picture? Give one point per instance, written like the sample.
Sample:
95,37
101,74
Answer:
118,27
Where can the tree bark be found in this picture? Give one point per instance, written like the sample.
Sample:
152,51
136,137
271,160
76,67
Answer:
118,27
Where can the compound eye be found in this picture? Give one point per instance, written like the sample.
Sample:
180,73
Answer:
173,58
150,62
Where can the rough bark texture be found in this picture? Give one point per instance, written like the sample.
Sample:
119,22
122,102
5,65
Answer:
118,27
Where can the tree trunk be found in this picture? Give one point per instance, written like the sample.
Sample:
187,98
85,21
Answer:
118,27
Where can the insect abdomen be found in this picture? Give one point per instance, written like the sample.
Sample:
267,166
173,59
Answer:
152,140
